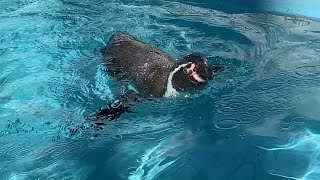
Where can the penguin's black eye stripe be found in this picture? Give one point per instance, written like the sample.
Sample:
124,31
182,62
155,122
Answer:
195,68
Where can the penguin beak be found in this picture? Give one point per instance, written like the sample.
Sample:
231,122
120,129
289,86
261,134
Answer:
205,71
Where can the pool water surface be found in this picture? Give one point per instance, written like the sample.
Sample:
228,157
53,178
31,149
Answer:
258,119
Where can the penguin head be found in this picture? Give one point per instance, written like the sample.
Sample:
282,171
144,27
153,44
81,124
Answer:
192,72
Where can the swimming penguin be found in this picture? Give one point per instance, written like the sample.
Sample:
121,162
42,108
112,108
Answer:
152,72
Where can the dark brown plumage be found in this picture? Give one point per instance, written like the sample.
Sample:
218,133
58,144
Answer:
149,68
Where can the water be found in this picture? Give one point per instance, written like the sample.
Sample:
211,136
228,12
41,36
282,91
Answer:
257,120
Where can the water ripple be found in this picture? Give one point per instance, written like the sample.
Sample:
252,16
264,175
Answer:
308,71
226,124
51,76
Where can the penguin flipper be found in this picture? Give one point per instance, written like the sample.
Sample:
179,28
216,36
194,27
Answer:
110,112
116,108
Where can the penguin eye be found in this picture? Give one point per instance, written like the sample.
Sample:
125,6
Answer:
185,70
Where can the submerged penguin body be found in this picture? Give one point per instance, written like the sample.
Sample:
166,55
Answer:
153,73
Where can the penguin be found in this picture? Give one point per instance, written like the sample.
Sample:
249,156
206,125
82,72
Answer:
152,72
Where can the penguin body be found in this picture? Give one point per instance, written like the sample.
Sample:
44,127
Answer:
153,72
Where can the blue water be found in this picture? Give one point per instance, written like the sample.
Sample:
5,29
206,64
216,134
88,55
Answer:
258,119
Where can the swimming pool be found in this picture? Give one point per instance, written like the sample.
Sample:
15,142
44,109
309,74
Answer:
256,120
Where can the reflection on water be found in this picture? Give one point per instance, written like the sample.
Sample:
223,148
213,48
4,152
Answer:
304,148
52,77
